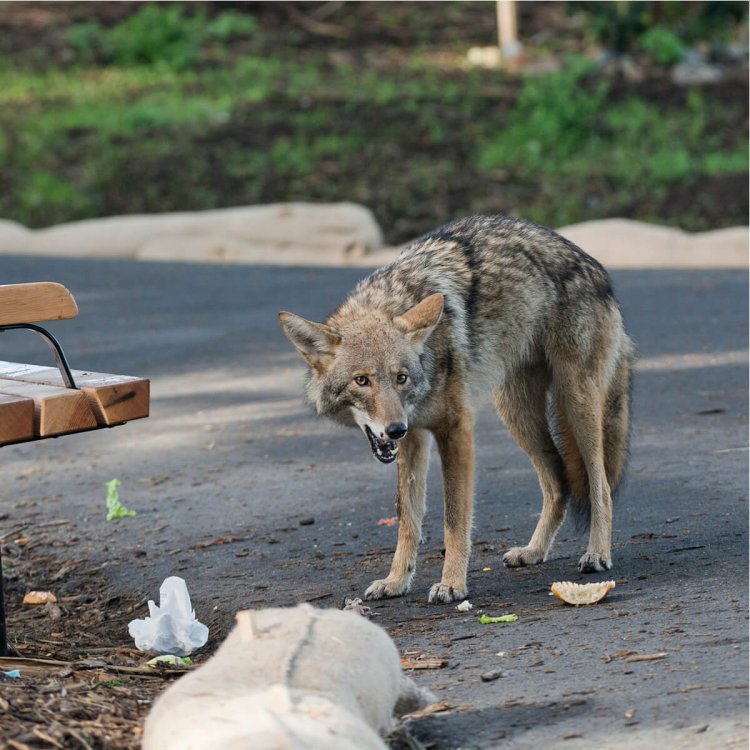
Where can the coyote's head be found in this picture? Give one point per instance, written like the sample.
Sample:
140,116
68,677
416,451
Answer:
366,369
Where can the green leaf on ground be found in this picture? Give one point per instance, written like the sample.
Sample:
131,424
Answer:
170,660
115,509
487,620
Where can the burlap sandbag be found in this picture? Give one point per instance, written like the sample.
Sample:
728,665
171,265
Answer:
298,678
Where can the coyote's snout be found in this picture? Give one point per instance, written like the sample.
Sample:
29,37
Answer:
490,302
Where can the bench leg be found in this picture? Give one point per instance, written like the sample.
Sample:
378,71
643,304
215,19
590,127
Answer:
3,632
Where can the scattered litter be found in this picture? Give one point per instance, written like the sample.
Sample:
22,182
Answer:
491,676
501,653
645,657
14,674
581,593
229,539
170,628
465,606
487,620
115,509
619,655
34,598
434,708
424,662
170,660
392,521
486,570
358,607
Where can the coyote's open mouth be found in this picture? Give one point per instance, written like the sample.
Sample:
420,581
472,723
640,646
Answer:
384,450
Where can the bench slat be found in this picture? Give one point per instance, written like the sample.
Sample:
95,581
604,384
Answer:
16,419
57,411
113,398
35,303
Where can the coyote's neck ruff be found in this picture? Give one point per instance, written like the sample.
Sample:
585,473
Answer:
484,302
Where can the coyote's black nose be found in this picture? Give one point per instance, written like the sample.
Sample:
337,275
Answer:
396,430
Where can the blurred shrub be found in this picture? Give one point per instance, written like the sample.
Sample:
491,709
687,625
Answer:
661,29
157,34
663,46
50,199
553,117
615,25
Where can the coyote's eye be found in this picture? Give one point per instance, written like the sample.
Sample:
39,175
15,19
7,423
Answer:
401,378
362,380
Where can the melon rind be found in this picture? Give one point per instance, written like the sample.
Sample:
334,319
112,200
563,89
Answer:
578,594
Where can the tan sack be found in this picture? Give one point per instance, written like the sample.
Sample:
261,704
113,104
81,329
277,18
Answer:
299,678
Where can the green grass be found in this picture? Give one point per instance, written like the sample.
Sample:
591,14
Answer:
419,143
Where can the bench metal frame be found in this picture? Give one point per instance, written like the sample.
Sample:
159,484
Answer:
54,345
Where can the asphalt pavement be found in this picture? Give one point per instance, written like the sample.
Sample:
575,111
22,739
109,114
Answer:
242,492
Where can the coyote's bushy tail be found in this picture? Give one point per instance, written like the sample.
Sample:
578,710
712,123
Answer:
616,434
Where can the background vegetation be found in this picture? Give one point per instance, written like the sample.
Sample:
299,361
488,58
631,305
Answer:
110,108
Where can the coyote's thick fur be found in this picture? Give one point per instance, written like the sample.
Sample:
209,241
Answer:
487,302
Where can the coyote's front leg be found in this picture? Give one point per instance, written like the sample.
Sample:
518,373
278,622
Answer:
455,441
413,458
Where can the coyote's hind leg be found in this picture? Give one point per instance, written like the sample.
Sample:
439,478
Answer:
522,403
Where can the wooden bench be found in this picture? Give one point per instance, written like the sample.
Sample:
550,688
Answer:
41,402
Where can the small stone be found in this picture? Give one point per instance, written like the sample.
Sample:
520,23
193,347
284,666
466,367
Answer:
491,676
309,521
694,73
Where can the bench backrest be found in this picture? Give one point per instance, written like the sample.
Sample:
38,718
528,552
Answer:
35,303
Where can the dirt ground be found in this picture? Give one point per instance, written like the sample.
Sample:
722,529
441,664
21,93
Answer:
78,687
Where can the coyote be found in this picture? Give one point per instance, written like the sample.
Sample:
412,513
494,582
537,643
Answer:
486,302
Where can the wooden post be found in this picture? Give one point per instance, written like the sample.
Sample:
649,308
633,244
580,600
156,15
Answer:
507,30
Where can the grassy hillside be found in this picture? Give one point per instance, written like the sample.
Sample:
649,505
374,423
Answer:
109,108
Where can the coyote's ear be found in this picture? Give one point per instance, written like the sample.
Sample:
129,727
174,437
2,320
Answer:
316,342
420,321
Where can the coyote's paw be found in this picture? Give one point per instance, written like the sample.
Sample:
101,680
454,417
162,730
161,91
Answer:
518,556
593,562
386,588
445,593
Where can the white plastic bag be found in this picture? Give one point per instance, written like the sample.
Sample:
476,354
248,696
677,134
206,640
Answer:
170,628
